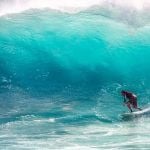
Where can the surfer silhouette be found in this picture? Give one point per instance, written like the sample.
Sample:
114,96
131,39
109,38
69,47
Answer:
130,100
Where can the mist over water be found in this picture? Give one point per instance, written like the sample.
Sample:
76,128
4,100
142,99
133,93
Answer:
62,67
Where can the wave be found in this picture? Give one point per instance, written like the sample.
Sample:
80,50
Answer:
88,50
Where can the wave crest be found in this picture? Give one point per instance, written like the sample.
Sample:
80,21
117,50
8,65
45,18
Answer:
70,6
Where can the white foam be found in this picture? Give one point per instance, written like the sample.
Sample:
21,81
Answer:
138,4
70,6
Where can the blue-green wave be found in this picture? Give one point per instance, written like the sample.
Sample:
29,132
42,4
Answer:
61,75
52,49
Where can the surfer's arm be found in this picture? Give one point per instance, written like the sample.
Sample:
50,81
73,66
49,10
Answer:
124,99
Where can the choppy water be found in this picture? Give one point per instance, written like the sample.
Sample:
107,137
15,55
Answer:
62,67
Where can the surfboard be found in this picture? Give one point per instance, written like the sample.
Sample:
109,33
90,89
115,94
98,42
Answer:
136,114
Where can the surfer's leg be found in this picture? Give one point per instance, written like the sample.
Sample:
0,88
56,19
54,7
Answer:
129,106
135,105
137,108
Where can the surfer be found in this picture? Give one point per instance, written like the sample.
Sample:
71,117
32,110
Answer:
130,100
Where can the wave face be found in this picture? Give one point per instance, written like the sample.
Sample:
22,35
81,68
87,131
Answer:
62,67
46,48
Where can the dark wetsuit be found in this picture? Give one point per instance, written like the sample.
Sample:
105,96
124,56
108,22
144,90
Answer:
132,99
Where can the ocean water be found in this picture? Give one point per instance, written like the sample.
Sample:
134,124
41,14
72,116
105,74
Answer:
62,67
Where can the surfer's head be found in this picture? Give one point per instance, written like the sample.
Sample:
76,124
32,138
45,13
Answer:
123,92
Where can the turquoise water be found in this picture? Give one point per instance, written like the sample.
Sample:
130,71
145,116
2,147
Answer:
61,75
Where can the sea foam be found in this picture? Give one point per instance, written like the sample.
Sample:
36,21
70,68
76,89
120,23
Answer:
69,6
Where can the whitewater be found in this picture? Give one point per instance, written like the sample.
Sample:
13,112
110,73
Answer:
63,65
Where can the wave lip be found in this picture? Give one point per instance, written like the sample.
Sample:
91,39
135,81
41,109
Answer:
17,6
70,6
